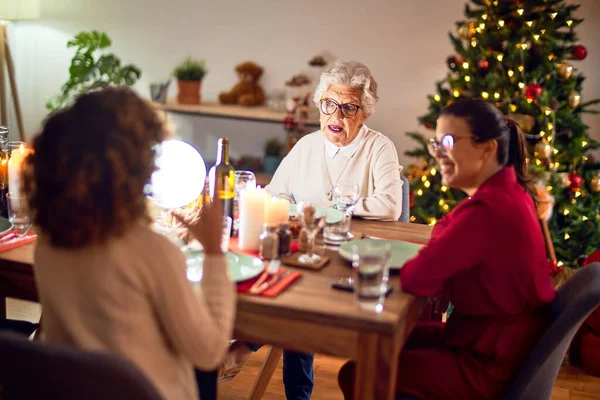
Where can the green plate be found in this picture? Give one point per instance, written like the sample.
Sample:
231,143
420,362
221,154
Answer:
241,267
401,251
5,225
333,215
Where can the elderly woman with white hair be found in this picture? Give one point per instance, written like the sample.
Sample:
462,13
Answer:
344,149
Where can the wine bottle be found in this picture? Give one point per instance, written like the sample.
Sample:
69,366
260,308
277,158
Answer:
223,173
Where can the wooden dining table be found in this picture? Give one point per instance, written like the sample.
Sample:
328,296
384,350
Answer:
309,316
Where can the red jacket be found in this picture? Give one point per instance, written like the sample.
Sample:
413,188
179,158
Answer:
488,257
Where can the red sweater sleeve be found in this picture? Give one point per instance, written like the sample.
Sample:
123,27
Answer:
458,248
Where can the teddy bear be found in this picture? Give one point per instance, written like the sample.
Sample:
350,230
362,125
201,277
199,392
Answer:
247,92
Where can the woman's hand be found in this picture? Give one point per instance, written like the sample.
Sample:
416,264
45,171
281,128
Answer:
207,228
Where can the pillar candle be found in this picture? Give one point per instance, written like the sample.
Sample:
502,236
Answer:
277,211
252,218
14,170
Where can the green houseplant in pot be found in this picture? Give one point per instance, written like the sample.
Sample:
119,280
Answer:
189,76
273,149
92,67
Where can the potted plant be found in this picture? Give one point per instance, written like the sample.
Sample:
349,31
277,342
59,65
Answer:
273,149
92,67
189,76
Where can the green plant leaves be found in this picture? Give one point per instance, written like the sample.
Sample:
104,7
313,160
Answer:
92,69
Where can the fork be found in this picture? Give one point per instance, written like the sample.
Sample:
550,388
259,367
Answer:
271,282
272,269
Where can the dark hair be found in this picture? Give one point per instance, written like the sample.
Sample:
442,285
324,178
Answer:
85,179
487,122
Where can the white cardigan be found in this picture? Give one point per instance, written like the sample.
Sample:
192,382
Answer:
308,172
131,296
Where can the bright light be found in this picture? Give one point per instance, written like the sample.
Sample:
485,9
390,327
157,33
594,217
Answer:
180,177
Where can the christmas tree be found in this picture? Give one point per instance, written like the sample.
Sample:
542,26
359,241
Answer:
522,56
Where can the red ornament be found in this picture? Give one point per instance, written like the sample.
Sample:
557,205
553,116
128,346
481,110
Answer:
483,64
533,91
428,125
592,258
579,52
575,181
412,199
553,267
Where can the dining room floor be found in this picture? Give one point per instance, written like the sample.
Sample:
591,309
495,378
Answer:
572,383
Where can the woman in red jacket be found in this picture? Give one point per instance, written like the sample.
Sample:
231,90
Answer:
487,256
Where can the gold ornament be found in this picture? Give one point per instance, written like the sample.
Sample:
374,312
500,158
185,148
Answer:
467,31
543,150
595,183
564,179
565,70
574,99
526,122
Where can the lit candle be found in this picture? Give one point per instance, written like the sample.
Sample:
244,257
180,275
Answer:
277,211
252,218
14,170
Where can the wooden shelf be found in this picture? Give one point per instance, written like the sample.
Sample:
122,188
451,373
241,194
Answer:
215,109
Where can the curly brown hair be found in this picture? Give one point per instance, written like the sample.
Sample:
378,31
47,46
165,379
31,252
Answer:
86,176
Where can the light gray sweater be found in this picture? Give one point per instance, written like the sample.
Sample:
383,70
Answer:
131,296
310,170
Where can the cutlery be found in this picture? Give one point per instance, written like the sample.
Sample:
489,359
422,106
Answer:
272,269
270,283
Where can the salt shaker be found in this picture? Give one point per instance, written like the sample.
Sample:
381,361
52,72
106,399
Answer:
269,243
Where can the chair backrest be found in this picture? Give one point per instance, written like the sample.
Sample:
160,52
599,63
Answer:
577,299
405,215
35,370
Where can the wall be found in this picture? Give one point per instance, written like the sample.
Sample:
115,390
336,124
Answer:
404,42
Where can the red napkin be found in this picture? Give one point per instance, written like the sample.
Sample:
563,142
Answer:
274,290
278,287
8,243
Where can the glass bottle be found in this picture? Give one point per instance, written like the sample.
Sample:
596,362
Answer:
223,173
269,243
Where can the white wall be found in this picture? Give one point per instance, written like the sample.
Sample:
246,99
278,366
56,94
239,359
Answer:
404,42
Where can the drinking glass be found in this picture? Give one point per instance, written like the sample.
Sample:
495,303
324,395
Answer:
345,196
243,180
371,270
18,213
311,219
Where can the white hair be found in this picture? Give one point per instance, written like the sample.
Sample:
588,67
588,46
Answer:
354,74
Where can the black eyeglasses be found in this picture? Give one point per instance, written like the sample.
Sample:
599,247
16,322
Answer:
445,144
330,106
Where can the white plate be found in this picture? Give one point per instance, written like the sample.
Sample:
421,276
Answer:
333,215
241,267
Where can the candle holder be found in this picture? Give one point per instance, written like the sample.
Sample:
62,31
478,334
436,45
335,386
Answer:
17,152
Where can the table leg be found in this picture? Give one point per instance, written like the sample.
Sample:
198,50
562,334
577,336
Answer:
377,366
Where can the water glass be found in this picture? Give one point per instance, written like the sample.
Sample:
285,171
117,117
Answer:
18,213
371,267
345,196
243,180
225,234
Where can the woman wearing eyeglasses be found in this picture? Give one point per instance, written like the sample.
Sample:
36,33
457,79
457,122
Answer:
487,256
344,149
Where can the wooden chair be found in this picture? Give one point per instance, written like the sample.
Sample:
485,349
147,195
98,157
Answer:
266,373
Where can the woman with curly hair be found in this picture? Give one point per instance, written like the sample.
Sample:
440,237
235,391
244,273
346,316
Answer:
107,282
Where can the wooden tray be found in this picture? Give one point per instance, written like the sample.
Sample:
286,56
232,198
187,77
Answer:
292,260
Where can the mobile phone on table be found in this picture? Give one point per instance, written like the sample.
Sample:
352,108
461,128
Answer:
346,283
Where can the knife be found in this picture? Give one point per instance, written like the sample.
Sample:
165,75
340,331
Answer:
271,282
